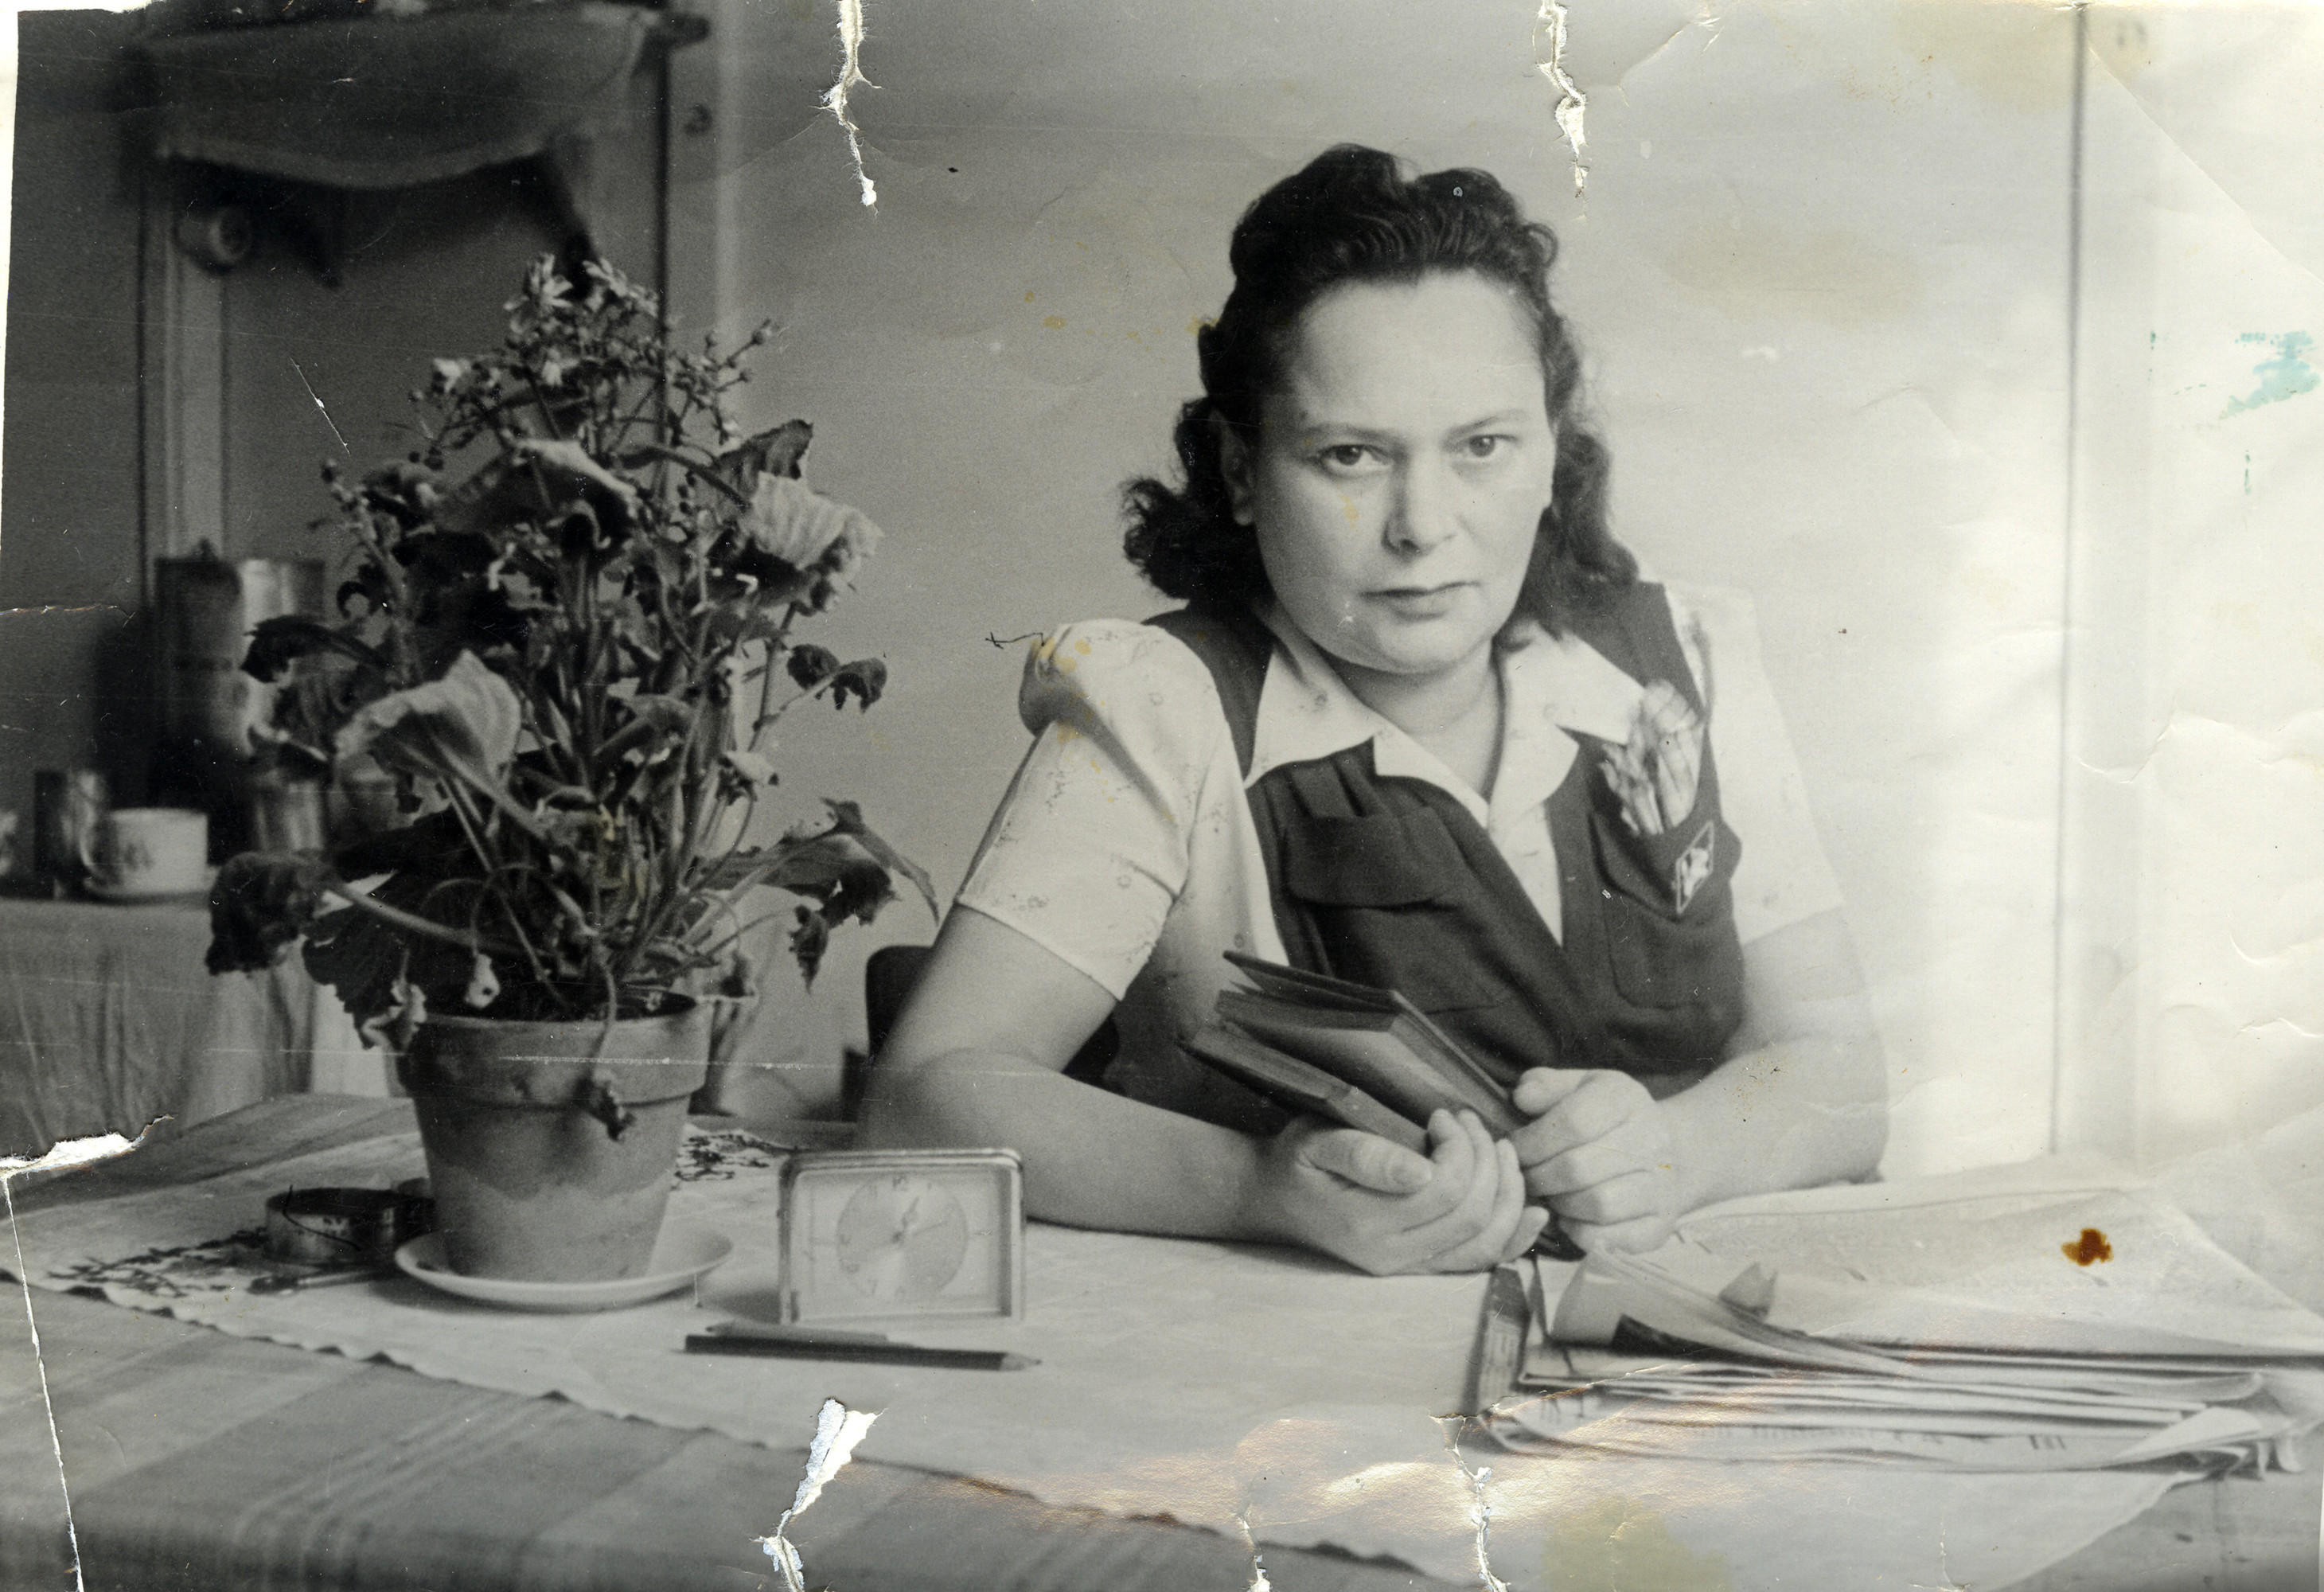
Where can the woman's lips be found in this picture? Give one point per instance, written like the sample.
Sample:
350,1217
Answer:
1420,602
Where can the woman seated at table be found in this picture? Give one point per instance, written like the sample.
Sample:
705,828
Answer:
1420,723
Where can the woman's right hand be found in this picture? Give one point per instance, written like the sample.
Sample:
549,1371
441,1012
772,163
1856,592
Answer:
1384,1208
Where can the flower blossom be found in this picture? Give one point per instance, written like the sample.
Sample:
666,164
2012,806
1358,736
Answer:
808,533
464,726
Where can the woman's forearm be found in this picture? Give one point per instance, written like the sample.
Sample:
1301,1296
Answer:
1790,1115
1092,1159
977,1059
1804,1097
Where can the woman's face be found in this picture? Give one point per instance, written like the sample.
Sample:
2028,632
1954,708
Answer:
1400,473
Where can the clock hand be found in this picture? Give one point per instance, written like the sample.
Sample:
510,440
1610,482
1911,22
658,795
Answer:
906,1223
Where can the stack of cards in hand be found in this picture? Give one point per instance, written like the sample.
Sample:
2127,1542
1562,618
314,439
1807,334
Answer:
1955,1335
1362,1057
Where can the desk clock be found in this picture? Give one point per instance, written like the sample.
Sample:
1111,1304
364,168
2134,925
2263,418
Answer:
924,1234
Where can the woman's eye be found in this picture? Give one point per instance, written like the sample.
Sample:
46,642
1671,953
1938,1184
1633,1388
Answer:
1484,447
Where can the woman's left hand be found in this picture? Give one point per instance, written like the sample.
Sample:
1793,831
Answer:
1600,1151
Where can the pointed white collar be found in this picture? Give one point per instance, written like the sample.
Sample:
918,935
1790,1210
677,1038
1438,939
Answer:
1551,685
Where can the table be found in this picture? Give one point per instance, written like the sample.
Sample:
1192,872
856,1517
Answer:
109,1022
200,1460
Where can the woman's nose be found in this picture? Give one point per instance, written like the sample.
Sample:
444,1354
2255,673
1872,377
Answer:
1421,513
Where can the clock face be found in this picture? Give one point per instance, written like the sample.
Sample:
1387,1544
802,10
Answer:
901,1238
924,1233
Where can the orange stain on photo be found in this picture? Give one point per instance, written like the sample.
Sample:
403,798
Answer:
2091,1246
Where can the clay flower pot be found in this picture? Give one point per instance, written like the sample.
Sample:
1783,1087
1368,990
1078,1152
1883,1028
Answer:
551,1145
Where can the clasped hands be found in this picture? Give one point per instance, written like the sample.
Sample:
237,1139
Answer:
1597,1151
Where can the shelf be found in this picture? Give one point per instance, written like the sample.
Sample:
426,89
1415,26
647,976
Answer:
382,102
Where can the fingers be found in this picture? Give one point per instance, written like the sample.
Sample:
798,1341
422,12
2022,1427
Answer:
1467,1173
1461,1208
1597,1104
1599,1154
1458,1141
1474,1234
1538,1095
1570,1107
1541,1088
1632,1195
1531,1221
1368,1161
1586,1166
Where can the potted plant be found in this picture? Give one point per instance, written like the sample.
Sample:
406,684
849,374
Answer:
564,637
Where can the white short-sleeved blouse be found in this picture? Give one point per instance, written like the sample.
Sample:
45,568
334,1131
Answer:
1125,845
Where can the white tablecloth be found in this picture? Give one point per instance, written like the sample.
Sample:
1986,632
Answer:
1251,1390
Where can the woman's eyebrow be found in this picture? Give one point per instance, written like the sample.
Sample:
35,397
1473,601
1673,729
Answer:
1506,417
1307,426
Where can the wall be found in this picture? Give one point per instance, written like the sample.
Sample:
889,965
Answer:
1821,269
314,372
427,272
2200,656
68,494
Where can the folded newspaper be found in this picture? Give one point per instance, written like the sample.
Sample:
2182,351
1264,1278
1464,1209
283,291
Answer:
1948,1324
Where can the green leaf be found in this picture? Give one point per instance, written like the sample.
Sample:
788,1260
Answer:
655,722
539,480
277,643
836,871
435,846
262,902
809,940
850,822
461,728
368,962
361,959
709,475
797,528
866,677
810,666
463,725
770,453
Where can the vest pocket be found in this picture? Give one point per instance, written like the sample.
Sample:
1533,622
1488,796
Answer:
1670,927
1678,874
1662,963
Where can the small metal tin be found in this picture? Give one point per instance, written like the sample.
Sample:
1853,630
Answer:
342,1227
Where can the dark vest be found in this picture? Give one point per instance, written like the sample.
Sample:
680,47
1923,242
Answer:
1389,880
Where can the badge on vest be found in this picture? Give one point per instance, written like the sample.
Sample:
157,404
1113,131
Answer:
1694,868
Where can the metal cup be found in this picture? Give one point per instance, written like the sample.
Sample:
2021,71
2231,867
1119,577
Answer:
286,814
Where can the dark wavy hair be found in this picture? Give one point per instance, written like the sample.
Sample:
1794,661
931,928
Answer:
1351,216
